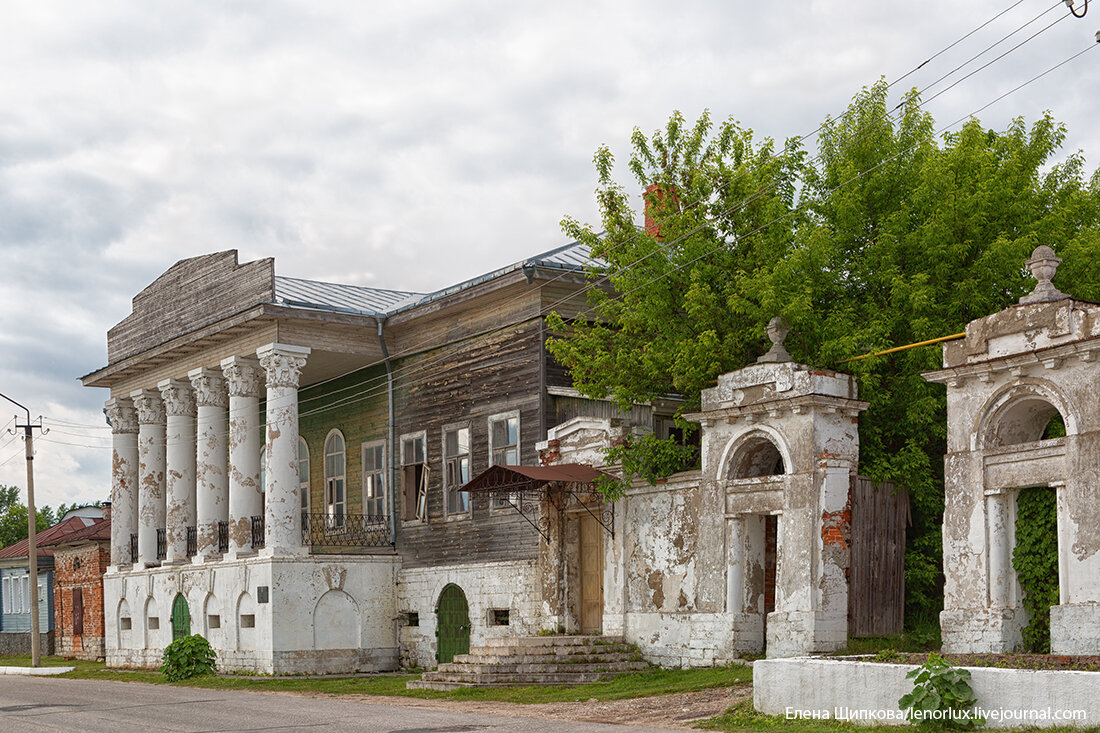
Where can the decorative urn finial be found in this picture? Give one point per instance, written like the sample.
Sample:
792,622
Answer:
1042,265
777,332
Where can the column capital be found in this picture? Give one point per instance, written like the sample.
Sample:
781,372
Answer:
149,406
178,400
209,386
283,363
122,415
243,376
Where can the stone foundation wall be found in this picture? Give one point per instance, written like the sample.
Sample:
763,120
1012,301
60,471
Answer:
19,642
514,586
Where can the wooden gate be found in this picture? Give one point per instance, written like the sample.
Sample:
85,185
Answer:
452,629
876,584
181,618
591,572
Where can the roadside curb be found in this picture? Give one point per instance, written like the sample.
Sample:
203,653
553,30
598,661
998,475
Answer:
36,671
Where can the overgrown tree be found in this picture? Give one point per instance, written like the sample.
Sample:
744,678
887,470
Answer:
888,236
13,516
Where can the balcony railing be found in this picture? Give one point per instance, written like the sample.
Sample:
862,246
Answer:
257,532
133,548
192,541
345,531
162,543
223,537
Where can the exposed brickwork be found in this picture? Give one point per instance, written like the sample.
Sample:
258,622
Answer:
81,566
836,527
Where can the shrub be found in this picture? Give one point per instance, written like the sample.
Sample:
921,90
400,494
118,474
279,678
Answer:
186,657
941,696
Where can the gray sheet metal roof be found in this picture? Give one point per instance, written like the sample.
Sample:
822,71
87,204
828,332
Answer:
298,293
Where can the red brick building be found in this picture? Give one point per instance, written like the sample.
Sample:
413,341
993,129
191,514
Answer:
79,563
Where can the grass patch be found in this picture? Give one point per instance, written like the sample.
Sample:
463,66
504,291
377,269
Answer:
636,684
921,639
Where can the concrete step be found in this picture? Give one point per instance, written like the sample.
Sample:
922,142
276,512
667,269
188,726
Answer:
551,651
549,678
475,668
624,656
556,641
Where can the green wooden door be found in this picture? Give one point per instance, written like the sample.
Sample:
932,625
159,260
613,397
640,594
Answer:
452,624
181,618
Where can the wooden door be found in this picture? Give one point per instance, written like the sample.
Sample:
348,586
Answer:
181,618
591,571
452,629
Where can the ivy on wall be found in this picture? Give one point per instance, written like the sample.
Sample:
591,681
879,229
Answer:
1036,561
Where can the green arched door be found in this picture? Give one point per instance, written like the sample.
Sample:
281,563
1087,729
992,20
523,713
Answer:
181,618
452,624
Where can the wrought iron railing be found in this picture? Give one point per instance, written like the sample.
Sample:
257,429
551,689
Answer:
345,530
133,548
192,541
257,532
162,543
223,536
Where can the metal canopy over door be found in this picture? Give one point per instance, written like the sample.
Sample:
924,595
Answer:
591,569
453,624
181,618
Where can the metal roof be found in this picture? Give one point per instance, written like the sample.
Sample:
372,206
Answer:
357,299
298,293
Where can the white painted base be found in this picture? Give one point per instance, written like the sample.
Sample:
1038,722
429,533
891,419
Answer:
982,630
836,688
498,585
323,614
1075,629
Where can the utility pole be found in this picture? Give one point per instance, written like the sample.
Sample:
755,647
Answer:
32,530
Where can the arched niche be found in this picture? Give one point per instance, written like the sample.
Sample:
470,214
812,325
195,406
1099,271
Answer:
336,623
125,624
246,622
212,620
1023,414
755,454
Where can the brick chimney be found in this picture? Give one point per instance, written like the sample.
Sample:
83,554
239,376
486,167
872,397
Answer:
654,196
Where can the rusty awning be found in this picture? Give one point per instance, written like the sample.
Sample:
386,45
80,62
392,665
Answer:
518,485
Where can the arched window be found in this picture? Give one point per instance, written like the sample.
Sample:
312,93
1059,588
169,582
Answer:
1026,420
303,473
335,475
756,456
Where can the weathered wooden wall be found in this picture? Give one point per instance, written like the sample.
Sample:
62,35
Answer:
876,586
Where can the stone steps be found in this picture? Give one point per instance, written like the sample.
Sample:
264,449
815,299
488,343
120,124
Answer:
535,660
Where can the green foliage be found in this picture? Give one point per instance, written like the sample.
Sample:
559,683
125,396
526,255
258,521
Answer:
941,697
892,236
1035,558
13,517
887,655
648,457
187,657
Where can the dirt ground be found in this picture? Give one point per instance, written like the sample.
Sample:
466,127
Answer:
680,710
1012,661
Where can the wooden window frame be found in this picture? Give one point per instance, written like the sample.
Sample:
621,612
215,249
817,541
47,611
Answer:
497,503
414,492
335,512
378,471
469,455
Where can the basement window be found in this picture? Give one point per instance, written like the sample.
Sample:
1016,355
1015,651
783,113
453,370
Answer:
214,621
498,617
412,619
124,623
248,620
154,622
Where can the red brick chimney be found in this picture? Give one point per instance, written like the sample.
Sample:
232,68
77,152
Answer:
654,196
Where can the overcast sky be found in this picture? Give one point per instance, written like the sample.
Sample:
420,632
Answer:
401,145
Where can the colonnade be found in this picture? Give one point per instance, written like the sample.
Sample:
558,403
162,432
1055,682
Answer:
187,454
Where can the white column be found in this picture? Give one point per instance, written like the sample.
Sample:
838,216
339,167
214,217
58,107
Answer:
244,379
179,484
282,515
735,565
211,475
124,477
150,410
1000,554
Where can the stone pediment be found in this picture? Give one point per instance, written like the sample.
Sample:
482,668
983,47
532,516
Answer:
191,294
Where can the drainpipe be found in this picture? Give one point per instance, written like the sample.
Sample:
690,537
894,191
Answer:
393,435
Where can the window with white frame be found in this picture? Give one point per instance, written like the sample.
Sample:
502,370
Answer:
303,473
374,478
335,480
456,469
5,591
503,445
414,476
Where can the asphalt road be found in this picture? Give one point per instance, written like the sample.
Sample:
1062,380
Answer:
50,704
